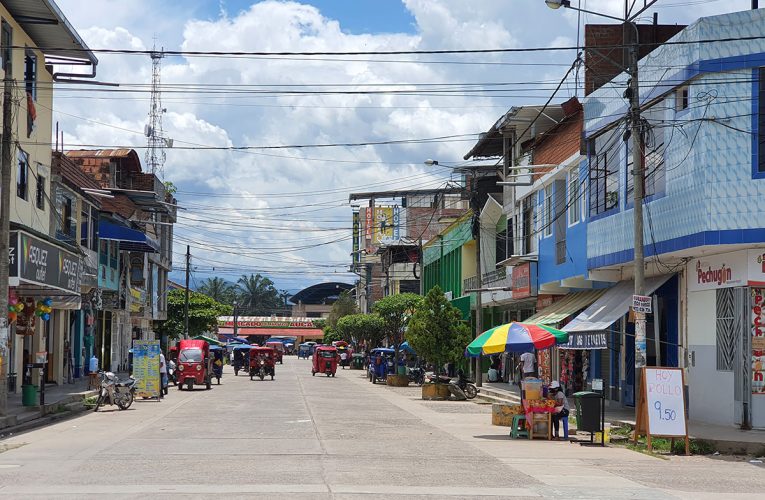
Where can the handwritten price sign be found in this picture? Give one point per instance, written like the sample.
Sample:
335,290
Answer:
665,401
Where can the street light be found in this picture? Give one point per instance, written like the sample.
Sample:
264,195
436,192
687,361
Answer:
633,118
236,330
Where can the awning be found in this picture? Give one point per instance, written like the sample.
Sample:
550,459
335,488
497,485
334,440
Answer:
207,339
611,306
565,307
130,239
586,341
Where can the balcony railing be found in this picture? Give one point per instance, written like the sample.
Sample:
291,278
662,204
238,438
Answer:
470,283
495,275
560,252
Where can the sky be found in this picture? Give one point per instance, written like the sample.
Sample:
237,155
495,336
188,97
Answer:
284,212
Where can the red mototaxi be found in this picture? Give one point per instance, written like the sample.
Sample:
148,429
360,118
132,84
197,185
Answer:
262,362
279,348
194,364
325,360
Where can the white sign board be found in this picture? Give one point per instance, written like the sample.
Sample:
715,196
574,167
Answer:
641,304
718,271
665,401
597,384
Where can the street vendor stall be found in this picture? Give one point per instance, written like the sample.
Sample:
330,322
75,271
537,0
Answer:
523,337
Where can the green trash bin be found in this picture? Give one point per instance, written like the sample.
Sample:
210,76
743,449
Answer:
588,411
29,395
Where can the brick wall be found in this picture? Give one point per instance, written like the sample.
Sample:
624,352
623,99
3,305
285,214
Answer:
559,144
423,221
96,168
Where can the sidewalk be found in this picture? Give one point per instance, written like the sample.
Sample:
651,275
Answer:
726,438
55,397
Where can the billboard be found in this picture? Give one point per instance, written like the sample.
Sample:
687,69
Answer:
146,368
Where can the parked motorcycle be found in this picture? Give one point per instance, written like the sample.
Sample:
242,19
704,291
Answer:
114,391
417,375
467,386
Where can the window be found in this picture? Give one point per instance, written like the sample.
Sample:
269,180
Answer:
6,42
22,175
761,123
501,245
574,197
605,153
85,224
40,195
93,229
726,328
66,222
30,74
654,179
547,220
681,98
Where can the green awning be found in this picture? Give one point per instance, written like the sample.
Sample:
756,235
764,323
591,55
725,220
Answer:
565,307
209,340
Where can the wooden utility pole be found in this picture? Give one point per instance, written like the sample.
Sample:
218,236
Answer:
186,301
5,233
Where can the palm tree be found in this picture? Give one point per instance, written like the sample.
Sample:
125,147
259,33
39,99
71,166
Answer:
257,294
218,289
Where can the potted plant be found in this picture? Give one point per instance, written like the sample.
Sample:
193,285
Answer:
438,333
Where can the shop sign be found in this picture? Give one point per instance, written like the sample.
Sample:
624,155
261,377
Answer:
585,341
641,304
266,324
718,271
41,263
758,341
756,267
524,280
356,237
370,222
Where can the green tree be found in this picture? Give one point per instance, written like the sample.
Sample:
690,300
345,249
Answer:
330,335
343,306
203,314
257,295
437,331
367,328
395,311
219,290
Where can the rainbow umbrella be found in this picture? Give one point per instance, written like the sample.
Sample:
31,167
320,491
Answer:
515,337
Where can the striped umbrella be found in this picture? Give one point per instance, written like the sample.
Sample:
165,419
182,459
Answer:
515,337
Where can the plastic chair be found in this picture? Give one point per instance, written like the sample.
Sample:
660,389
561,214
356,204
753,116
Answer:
564,421
518,429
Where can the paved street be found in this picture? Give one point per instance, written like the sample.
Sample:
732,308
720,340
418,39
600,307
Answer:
317,437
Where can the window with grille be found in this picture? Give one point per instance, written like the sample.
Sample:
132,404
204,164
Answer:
726,328
605,155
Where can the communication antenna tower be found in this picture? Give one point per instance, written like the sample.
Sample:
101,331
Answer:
155,152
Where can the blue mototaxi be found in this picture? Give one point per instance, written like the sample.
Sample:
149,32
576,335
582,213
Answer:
217,353
304,351
241,358
380,363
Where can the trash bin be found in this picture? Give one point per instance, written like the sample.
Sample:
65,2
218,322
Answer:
29,395
588,411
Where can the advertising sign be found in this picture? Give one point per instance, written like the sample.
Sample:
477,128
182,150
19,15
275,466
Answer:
523,281
665,401
718,271
641,304
758,341
585,341
383,225
369,222
258,323
356,237
146,368
41,263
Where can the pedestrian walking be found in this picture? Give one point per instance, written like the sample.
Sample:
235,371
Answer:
527,365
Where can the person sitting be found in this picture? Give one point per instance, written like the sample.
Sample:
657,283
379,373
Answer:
561,406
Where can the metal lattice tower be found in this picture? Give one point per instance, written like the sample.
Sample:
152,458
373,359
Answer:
155,152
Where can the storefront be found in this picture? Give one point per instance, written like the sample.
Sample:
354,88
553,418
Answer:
44,281
726,328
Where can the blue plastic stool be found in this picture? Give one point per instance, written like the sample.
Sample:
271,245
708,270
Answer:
564,420
518,429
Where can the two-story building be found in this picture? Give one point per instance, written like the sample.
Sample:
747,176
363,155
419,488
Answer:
45,271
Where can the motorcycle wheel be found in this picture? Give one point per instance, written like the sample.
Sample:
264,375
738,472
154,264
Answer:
470,391
420,380
374,379
272,377
180,386
251,377
190,385
98,402
313,373
236,372
208,384
124,402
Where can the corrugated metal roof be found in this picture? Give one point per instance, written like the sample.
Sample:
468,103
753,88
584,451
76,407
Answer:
52,33
100,153
565,307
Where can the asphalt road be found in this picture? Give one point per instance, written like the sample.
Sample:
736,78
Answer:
304,437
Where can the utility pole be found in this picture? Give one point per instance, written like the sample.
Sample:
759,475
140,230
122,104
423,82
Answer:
478,277
236,329
637,183
5,235
186,301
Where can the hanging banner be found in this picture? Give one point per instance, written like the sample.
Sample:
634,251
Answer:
585,341
383,224
146,368
758,341
356,237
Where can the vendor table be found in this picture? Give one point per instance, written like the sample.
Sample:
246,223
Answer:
538,413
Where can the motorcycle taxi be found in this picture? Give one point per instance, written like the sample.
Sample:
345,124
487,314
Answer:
241,360
380,363
325,360
262,362
217,354
278,347
194,364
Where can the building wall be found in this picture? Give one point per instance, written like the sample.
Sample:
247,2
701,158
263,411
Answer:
36,145
710,192
563,142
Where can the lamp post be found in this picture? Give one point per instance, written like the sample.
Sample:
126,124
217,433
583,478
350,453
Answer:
236,328
633,118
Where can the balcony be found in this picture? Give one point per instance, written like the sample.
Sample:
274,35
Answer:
494,276
470,283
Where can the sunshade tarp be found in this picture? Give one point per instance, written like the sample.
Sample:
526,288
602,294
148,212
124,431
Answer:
209,340
565,307
130,239
611,306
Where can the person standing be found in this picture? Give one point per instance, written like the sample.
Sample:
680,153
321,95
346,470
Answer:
162,374
527,365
